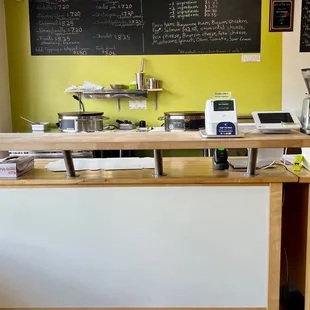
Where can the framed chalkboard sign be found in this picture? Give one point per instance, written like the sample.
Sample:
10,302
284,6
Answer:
281,15
144,27
305,27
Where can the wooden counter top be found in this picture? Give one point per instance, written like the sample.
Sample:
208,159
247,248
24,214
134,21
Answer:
120,140
303,175
180,171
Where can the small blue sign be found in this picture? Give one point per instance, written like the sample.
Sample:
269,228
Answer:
225,129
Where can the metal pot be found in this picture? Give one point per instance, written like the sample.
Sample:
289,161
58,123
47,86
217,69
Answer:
81,121
125,125
183,120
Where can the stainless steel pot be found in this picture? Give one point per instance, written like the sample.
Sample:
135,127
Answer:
81,121
183,120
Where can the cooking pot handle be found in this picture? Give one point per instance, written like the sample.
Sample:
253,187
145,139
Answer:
161,118
105,118
58,124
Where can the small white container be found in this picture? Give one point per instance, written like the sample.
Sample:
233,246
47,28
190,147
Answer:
44,126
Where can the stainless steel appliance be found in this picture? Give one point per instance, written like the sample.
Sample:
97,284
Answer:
51,154
81,121
183,120
125,125
305,112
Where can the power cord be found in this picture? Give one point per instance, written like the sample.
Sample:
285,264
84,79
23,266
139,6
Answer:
268,166
276,163
284,166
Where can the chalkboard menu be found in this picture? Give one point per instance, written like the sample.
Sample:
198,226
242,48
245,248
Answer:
305,27
144,27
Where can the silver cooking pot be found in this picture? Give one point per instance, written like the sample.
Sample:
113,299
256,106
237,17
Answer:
81,121
183,120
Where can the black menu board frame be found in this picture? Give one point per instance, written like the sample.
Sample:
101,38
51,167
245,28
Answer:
304,46
144,27
281,15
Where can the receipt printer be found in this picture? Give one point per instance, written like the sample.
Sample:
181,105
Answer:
221,117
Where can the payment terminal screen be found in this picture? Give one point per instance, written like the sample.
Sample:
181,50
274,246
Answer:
275,118
223,105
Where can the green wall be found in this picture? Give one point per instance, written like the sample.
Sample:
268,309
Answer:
38,83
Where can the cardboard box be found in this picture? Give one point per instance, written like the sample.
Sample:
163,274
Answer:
15,166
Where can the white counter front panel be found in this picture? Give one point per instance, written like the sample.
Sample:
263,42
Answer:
134,246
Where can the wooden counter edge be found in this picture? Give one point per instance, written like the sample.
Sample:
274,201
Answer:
132,183
145,141
304,180
303,175
180,171
275,227
137,308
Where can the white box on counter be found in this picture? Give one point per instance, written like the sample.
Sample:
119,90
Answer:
40,127
15,166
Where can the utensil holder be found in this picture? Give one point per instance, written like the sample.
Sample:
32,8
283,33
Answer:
140,80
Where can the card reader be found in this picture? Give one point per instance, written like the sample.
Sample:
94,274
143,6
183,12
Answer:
220,159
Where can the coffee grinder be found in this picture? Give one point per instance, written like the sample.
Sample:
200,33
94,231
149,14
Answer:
305,112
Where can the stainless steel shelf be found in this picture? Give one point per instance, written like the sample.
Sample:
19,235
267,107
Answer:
118,94
115,94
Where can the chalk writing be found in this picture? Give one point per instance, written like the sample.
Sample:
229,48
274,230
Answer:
135,27
305,27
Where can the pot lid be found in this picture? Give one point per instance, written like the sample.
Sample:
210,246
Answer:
184,113
80,114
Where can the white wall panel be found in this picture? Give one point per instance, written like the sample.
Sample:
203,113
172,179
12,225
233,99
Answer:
131,247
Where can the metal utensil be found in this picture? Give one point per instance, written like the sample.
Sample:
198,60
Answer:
28,120
142,65
140,80
153,83
81,104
